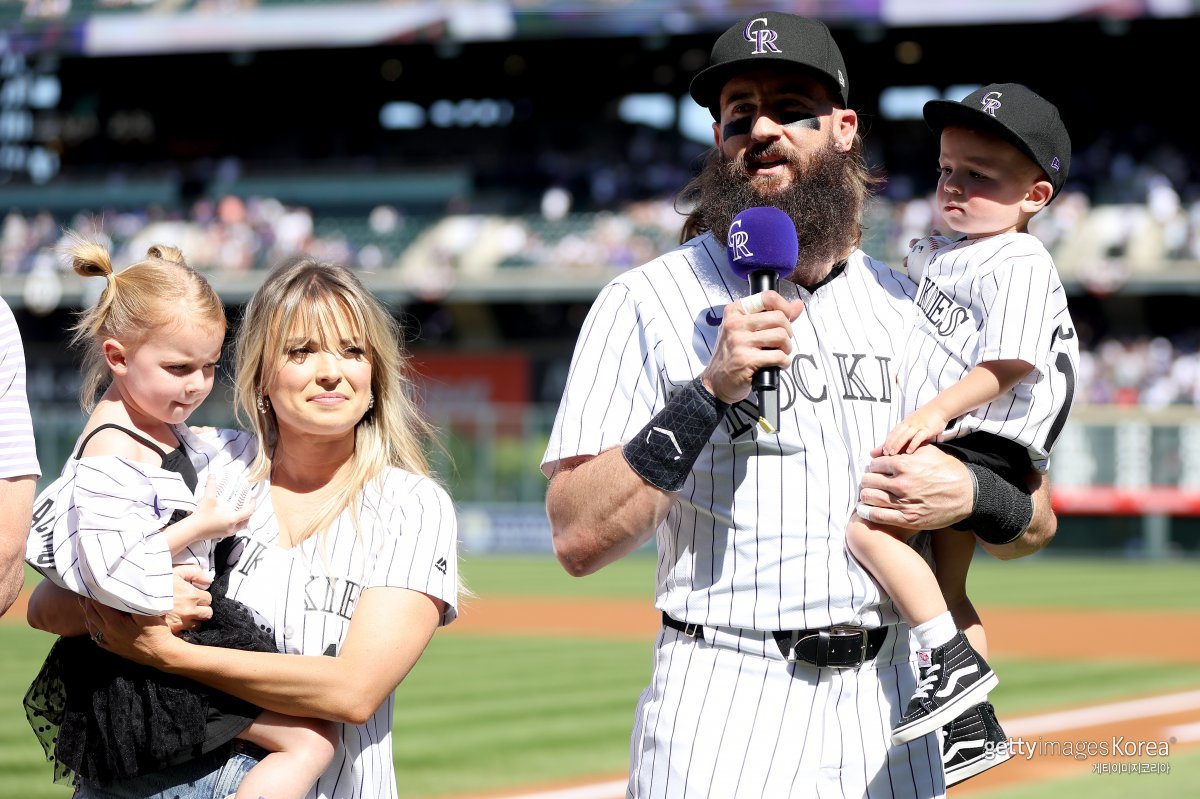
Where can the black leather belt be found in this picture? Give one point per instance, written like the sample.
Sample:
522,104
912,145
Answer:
840,647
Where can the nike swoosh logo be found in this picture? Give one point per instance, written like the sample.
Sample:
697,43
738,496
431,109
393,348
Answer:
1065,335
712,319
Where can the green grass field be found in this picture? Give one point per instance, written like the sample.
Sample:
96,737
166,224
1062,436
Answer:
488,712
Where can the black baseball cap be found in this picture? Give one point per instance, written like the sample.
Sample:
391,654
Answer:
1016,113
771,38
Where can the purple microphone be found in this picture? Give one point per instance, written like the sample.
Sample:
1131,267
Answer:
761,248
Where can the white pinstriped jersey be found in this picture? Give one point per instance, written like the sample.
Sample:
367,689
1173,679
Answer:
756,537
19,456
994,298
97,529
407,538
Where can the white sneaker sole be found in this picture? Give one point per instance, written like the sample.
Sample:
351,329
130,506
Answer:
978,765
946,713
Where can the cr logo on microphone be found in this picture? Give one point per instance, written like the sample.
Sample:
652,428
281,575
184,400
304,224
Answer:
738,239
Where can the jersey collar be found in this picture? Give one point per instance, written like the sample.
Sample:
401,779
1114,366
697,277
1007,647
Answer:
838,268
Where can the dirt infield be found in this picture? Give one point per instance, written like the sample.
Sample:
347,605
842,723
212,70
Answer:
1075,636
1042,743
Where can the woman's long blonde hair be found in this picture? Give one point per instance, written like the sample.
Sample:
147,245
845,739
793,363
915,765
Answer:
136,301
307,294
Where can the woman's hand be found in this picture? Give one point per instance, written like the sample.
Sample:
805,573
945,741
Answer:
143,639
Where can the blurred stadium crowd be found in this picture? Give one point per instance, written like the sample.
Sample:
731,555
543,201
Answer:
1122,217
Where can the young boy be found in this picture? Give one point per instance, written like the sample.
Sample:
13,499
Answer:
991,365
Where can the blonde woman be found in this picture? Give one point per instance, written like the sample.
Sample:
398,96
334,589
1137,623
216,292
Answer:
351,551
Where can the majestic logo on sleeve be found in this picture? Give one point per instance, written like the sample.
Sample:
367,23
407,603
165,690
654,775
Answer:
943,314
991,103
762,37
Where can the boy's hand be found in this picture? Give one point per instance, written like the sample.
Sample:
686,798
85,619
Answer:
917,428
919,253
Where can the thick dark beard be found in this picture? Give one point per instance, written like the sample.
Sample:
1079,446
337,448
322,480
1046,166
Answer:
821,199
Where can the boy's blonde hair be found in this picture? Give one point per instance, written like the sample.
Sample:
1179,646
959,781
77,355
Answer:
158,292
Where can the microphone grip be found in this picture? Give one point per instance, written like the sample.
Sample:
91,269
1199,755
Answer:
761,280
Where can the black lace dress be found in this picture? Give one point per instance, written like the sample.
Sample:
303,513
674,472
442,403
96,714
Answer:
108,719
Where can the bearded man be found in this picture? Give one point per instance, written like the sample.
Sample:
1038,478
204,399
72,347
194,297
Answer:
781,666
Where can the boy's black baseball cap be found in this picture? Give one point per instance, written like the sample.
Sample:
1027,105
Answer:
1017,114
771,38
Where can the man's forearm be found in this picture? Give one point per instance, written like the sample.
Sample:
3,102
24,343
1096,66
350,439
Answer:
1041,530
931,489
16,507
601,510
10,585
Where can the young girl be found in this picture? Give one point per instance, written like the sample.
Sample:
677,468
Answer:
123,513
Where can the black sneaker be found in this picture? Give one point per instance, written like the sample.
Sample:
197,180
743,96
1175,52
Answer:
951,678
973,743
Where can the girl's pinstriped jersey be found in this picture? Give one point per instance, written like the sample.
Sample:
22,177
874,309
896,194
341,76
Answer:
97,529
756,538
994,298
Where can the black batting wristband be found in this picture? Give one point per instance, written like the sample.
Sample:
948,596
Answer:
1002,510
664,451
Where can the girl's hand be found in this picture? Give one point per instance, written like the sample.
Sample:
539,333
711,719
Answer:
193,604
224,508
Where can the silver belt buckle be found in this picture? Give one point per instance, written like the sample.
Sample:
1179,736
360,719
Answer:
841,631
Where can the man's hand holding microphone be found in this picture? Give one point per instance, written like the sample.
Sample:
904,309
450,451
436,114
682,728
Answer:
755,339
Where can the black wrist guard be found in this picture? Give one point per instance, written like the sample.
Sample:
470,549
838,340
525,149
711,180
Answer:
1002,510
664,451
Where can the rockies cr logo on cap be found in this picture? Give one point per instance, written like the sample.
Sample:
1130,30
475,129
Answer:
991,102
763,38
